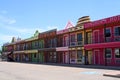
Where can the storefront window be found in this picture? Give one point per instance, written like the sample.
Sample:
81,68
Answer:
117,53
79,56
72,56
108,53
35,55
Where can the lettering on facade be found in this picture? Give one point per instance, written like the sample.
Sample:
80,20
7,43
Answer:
102,21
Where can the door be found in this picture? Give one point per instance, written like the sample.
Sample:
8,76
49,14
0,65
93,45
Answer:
65,57
96,57
89,37
79,56
90,57
96,36
65,42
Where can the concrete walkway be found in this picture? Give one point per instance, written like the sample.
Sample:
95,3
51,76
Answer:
23,71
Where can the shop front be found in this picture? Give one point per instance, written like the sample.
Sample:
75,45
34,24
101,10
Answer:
62,55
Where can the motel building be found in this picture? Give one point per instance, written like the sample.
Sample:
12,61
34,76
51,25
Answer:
102,41
88,42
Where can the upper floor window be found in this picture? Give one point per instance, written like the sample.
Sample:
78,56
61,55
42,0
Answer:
107,32
117,31
72,38
117,53
79,37
88,37
36,43
18,47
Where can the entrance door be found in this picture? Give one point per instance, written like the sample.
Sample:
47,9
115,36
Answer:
90,57
96,57
65,41
96,37
79,56
65,57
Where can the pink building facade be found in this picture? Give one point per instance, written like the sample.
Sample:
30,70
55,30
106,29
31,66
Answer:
105,41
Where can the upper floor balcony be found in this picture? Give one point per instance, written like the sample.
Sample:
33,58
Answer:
77,42
103,39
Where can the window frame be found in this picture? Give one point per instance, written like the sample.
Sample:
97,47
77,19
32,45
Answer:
81,37
110,32
106,53
118,53
115,31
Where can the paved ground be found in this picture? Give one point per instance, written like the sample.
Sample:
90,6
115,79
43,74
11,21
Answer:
22,71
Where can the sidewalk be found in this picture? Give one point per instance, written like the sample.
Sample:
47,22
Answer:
113,74
117,68
85,66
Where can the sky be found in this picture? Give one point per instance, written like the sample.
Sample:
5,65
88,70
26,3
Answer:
21,18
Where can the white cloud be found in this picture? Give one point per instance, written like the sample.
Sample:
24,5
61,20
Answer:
6,38
7,20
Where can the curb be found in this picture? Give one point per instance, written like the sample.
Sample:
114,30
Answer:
110,75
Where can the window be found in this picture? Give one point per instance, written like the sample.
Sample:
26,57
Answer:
107,32
108,53
117,31
35,55
89,37
18,47
117,53
79,56
79,37
72,38
36,43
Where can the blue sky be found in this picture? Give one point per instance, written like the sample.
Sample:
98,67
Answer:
20,18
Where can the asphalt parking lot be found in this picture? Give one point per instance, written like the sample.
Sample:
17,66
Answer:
23,71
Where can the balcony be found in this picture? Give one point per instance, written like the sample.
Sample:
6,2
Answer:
50,45
102,42
77,43
102,39
65,43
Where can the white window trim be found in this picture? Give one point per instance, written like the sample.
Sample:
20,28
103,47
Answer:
114,53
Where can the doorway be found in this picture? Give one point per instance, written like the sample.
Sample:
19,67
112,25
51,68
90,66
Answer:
96,36
96,57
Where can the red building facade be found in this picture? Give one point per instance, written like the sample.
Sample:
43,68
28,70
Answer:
105,41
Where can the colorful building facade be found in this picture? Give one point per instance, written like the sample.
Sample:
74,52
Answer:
88,42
